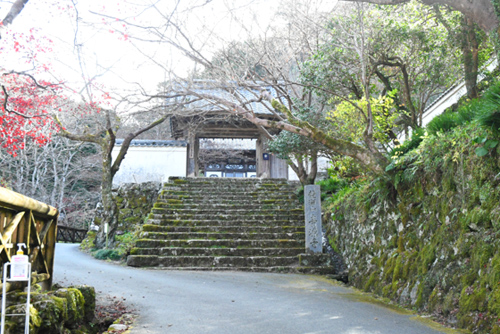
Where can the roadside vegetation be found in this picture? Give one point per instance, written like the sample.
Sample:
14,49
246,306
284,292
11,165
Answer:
348,83
427,232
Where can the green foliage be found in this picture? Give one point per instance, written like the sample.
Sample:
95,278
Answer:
438,244
346,115
443,123
108,254
468,111
344,167
125,242
121,247
489,110
486,145
404,33
299,150
286,144
88,243
410,144
486,111
331,186
345,192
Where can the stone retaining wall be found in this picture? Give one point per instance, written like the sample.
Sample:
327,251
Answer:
134,201
66,310
435,249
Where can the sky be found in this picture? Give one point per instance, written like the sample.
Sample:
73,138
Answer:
103,46
88,43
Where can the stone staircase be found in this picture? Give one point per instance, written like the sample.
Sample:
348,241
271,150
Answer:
227,224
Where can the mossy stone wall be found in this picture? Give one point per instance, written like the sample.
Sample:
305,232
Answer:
435,246
67,310
134,201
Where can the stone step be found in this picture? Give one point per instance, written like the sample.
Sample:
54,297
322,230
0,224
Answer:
216,206
280,243
217,228
222,236
280,269
250,191
228,193
202,195
229,220
206,220
264,213
171,220
230,181
284,190
217,251
227,224
210,261
180,179
250,184
315,260
220,201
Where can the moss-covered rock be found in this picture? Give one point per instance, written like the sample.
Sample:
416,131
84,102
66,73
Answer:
88,243
55,312
88,293
75,305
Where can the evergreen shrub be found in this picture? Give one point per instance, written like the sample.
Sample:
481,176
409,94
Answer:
488,115
408,145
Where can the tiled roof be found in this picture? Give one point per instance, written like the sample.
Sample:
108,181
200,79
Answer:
154,143
237,95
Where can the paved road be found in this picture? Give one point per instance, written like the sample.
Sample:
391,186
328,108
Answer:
185,302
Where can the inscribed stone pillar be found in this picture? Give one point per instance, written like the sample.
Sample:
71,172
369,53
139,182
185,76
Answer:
312,207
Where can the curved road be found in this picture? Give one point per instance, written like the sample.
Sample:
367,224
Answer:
187,302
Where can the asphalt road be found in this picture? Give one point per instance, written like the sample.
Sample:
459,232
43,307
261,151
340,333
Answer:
187,302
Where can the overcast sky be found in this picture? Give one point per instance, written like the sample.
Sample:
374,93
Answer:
105,52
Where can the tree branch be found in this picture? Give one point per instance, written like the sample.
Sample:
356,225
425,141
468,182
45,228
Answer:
14,11
128,139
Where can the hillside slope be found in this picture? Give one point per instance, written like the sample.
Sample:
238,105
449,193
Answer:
432,242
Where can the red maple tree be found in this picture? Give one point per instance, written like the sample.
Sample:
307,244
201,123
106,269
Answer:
25,101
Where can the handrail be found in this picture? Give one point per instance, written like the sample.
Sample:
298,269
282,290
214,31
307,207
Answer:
17,200
26,220
70,234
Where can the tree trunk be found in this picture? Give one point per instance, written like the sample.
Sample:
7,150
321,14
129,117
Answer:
313,172
470,54
106,140
109,207
306,175
14,11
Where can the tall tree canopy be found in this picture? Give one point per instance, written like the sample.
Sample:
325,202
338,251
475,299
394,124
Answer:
482,12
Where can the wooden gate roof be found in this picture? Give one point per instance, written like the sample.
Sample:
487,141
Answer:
210,120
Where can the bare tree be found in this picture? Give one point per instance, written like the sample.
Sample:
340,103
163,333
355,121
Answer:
60,173
269,63
103,134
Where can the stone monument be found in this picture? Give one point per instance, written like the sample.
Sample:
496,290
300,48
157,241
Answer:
312,207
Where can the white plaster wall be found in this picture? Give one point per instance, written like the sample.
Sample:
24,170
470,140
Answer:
450,98
143,164
323,164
